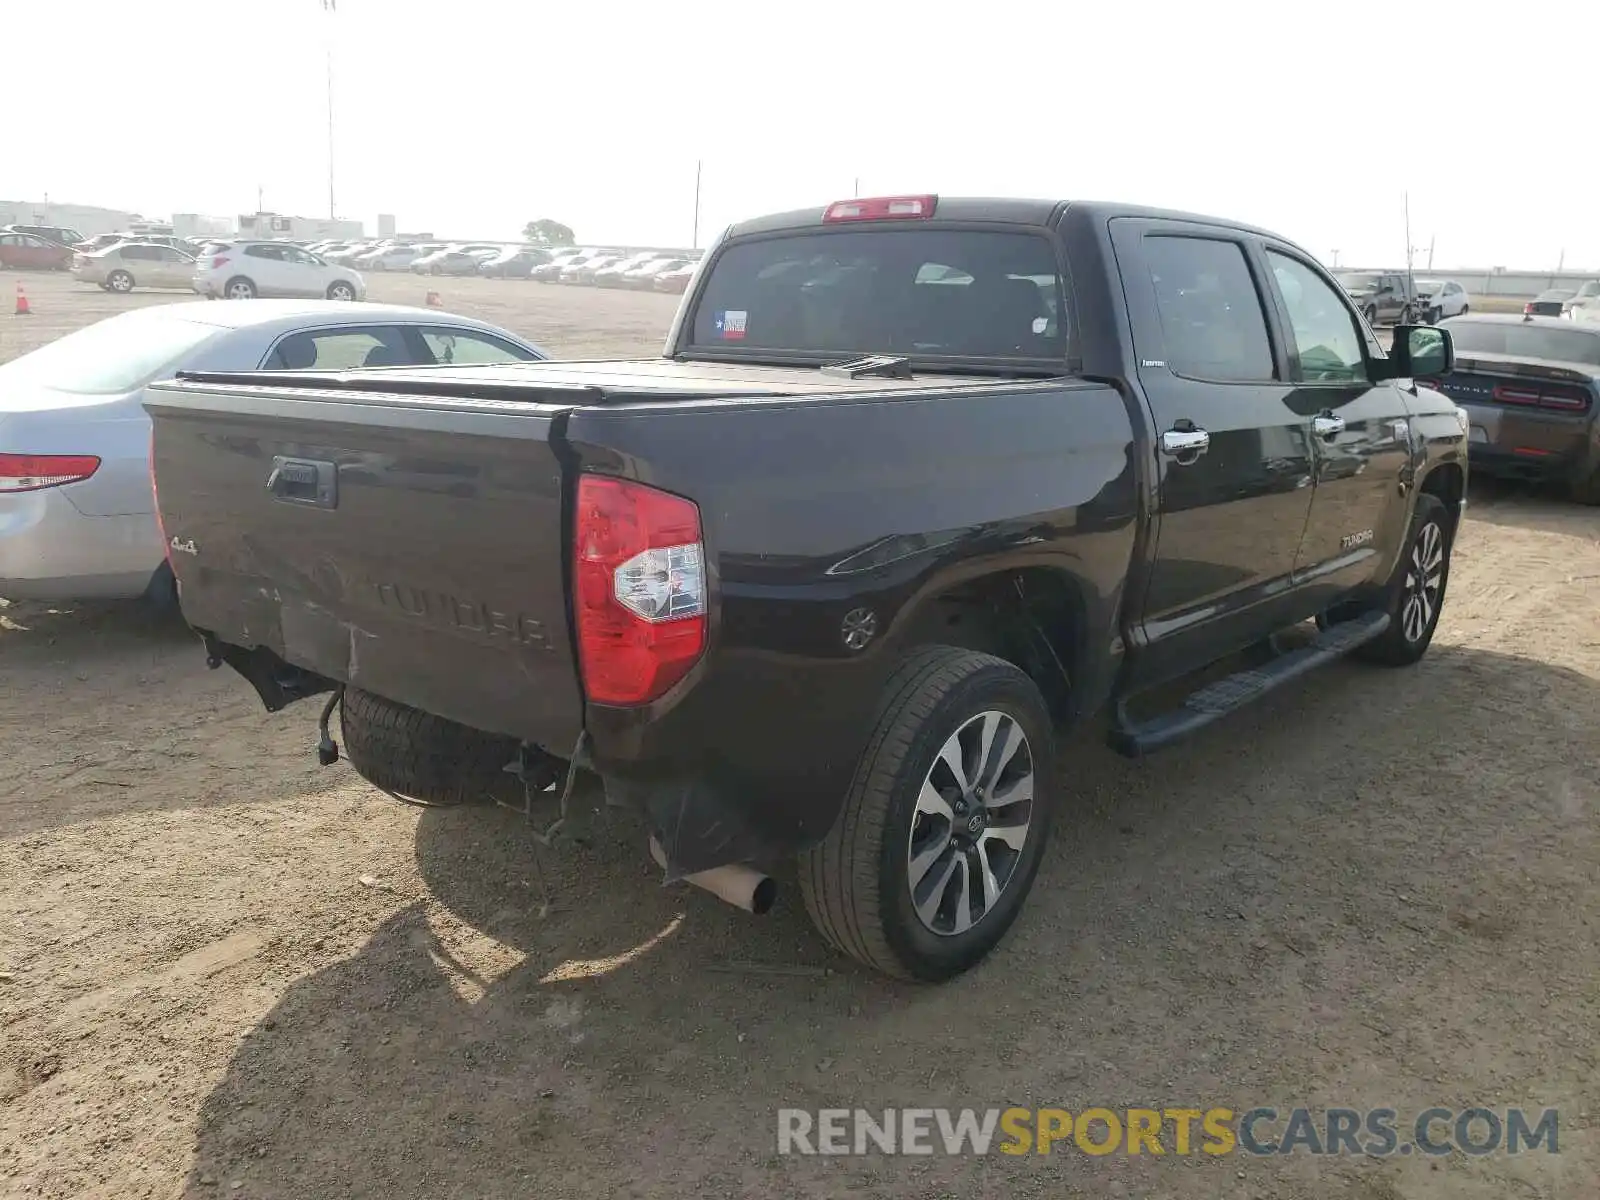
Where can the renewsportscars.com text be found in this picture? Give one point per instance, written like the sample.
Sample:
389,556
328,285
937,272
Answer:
1377,1132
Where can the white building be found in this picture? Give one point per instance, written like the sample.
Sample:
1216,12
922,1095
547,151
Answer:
87,219
276,225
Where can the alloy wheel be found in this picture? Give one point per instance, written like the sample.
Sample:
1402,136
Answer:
971,823
1424,580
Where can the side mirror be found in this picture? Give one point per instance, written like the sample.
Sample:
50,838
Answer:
1420,352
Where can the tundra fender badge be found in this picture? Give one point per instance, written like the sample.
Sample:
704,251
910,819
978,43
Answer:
859,627
1359,538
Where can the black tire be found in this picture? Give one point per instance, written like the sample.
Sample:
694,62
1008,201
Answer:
120,282
1371,314
1403,643
856,883
1587,490
340,290
161,593
1465,309
245,289
418,755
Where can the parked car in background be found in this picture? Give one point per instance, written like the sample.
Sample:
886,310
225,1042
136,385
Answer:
1549,303
29,251
1531,387
389,258
346,255
676,280
1588,294
62,235
1441,298
582,270
453,262
164,239
1383,297
645,275
128,265
550,272
250,269
611,274
81,524
100,241
514,262
435,263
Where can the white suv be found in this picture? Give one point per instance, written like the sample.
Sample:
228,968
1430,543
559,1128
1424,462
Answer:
246,270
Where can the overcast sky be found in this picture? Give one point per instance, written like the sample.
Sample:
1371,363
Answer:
468,118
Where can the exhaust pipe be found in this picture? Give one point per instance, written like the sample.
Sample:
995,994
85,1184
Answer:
741,886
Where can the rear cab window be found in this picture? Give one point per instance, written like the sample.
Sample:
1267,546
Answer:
924,293
1525,340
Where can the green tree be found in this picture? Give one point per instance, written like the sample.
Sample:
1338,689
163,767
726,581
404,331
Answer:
545,232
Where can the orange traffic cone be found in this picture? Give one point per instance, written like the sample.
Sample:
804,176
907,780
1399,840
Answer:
433,300
22,303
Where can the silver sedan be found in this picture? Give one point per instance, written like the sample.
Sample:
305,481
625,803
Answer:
77,518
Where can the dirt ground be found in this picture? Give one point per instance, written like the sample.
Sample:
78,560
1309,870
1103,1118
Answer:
225,971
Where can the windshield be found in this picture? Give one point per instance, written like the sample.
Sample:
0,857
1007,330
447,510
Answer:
114,356
1591,288
1358,282
1528,340
915,292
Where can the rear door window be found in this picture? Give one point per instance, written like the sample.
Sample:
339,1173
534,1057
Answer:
1211,315
342,349
916,292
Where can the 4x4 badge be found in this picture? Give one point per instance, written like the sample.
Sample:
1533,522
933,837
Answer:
182,547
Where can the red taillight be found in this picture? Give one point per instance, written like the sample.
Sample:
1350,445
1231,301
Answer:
1563,399
1512,395
880,208
30,472
219,262
640,592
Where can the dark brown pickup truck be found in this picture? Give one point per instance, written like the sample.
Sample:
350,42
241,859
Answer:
917,483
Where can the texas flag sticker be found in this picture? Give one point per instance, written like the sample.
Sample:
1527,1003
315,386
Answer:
730,324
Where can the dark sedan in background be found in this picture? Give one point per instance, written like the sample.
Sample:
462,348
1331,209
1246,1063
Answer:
1531,386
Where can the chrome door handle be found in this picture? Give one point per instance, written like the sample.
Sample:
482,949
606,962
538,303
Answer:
1327,426
1184,441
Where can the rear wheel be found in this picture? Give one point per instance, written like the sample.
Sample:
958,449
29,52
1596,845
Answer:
341,291
418,755
1586,491
119,281
162,591
941,835
239,288
1371,314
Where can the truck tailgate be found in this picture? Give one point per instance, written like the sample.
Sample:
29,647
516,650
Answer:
414,547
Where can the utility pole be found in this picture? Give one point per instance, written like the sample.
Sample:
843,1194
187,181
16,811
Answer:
1408,232
695,244
1431,239
329,7
260,207
1335,260
856,190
